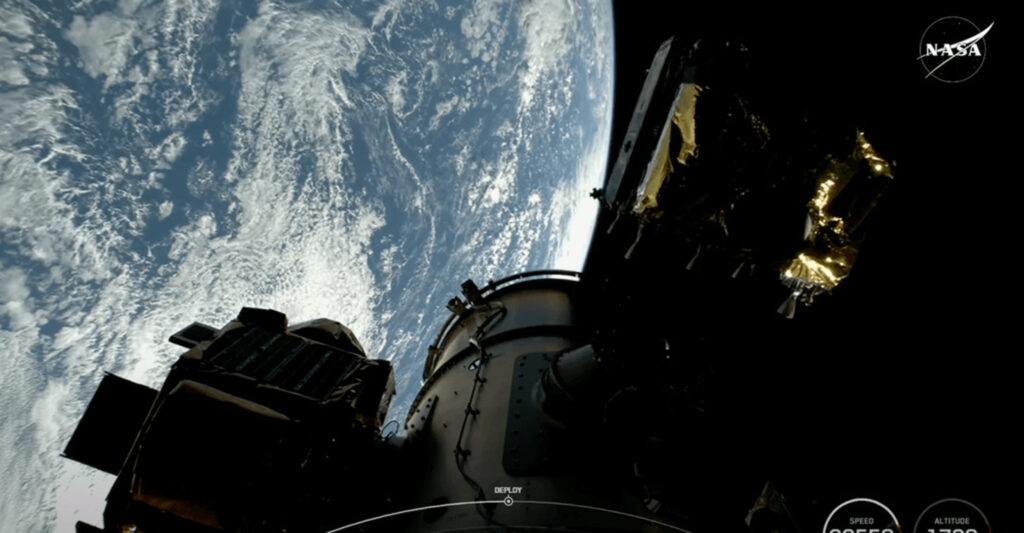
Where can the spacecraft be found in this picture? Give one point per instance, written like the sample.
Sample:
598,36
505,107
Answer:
640,394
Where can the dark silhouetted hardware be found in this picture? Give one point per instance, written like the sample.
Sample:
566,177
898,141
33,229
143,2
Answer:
675,384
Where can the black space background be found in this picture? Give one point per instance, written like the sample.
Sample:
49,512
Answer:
902,386
930,314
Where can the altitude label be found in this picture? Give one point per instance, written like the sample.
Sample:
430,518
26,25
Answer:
952,515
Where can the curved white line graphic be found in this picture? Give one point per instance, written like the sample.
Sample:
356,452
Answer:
975,507
824,528
517,502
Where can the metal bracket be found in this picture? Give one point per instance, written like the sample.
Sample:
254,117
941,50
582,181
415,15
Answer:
530,443
416,424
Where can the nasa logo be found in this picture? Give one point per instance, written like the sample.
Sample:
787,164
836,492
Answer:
952,49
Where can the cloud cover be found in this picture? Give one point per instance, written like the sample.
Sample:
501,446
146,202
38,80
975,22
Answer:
170,162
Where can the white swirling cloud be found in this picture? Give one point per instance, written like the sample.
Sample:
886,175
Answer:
156,171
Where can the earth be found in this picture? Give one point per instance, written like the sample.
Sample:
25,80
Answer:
164,162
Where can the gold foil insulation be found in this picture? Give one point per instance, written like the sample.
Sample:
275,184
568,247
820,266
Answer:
845,193
660,166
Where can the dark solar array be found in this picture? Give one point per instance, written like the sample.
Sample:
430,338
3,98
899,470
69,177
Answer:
286,361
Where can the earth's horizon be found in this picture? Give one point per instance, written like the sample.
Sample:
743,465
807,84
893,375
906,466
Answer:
164,162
